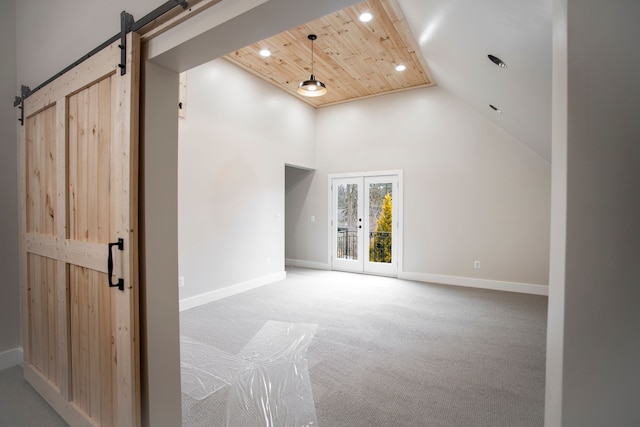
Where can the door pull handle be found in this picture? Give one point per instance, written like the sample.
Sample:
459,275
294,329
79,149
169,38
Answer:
120,283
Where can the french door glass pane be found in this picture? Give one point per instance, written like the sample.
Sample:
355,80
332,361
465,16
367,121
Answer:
380,221
347,221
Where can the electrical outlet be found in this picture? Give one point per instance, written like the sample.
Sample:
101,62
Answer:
180,281
476,264
268,261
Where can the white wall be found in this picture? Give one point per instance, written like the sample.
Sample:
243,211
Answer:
159,322
471,192
593,370
10,301
238,134
601,314
53,34
557,250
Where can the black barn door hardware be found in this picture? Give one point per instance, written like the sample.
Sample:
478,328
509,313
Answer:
120,283
25,91
127,24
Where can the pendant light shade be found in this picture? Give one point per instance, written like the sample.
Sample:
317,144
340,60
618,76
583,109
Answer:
312,87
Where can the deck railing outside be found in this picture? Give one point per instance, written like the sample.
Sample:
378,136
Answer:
347,244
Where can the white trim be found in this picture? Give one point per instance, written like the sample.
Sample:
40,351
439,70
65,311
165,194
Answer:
238,288
330,221
307,264
399,235
198,26
369,173
10,358
525,288
385,269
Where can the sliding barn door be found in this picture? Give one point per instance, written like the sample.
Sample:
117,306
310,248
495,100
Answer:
78,179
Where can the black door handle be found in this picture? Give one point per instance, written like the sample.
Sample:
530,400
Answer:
120,283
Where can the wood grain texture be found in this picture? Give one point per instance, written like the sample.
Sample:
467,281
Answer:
125,183
92,350
78,148
173,18
89,129
41,173
355,60
83,254
43,317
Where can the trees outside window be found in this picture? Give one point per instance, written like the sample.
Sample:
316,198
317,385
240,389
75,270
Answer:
380,238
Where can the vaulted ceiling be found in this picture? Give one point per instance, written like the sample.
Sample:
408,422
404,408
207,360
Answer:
354,59
443,42
455,37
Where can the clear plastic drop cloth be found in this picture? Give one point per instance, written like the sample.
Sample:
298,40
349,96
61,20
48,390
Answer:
274,388
205,369
268,380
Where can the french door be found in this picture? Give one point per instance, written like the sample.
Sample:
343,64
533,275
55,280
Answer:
364,223
79,254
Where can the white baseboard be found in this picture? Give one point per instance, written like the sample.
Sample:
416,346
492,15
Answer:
524,288
307,264
198,300
10,358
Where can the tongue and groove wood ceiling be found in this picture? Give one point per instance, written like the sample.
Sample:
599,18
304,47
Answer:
353,59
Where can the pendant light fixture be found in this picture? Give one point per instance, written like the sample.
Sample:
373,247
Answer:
312,87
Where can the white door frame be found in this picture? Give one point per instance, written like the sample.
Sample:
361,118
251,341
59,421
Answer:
397,200
345,264
381,268
185,44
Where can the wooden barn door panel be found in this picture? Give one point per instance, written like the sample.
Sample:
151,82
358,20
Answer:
78,182
46,334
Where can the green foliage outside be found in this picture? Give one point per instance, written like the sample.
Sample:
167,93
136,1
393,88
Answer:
380,245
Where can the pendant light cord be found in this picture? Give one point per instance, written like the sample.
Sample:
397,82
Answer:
312,87
312,57
312,37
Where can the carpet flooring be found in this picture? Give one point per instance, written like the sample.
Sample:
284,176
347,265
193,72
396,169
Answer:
389,352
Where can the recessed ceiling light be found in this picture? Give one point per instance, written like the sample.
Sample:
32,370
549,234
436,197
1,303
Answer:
499,62
365,17
401,67
496,109
265,53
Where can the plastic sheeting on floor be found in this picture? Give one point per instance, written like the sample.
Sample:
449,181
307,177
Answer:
268,379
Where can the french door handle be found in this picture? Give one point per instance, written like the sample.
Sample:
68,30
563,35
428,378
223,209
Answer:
120,283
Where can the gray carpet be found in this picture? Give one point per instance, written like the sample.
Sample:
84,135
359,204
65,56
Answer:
21,405
389,352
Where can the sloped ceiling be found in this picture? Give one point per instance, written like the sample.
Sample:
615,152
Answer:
455,37
447,41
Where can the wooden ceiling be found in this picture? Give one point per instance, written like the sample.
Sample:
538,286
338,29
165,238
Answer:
353,59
